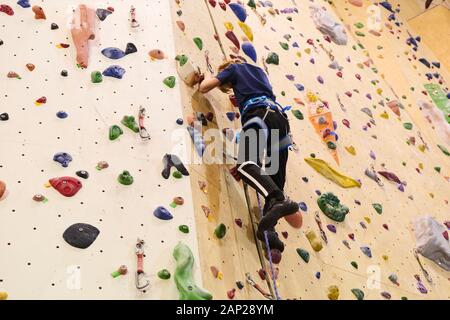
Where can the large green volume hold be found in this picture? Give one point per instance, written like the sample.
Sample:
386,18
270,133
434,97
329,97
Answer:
183,275
332,207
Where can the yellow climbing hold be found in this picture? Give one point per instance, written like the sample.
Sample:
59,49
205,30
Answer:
385,257
379,91
351,150
328,172
422,147
229,26
3,295
333,292
421,166
314,241
299,54
367,219
247,30
308,50
384,115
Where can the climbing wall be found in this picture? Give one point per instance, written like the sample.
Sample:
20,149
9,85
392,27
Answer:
36,261
372,250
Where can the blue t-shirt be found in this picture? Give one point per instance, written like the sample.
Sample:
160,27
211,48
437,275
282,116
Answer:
248,81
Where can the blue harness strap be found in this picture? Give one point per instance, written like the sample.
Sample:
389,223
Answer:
263,101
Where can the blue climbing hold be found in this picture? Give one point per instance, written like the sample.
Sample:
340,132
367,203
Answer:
366,251
239,11
425,62
114,71
62,114
386,5
448,95
231,115
63,158
295,45
302,206
299,87
113,53
24,3
102,13
162,213
249,50
180,121
317,275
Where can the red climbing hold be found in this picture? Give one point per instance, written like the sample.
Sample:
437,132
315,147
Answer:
445,234
351,236
6,9
238,222
346,123
231,293
41,100
232,37
223,6
212,3
67,186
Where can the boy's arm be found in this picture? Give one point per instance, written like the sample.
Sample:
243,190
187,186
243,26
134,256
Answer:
208,84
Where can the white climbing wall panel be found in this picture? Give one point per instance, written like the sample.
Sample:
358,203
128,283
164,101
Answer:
35,260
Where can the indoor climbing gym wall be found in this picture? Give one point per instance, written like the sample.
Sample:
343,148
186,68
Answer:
73,152
110,187
369,167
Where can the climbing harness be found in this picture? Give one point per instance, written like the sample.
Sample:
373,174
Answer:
425,272
263,101
251,282
208,64
143,133
142,282
323,235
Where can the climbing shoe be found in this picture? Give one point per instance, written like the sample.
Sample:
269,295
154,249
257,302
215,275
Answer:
272,237
275,210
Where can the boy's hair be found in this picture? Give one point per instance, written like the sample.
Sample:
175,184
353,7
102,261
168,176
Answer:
225,87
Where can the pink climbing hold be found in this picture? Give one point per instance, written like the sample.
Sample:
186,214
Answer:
356,3
346,123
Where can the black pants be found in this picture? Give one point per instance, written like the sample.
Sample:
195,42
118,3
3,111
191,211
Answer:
264,139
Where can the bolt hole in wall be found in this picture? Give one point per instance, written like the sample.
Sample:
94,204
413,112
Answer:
55,107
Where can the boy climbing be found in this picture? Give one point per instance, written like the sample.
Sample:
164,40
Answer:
265,128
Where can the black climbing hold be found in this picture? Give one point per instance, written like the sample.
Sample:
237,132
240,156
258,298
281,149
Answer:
81,235
64,73
1,42
180,121
131,48
54,26
4,117
82,174
240,285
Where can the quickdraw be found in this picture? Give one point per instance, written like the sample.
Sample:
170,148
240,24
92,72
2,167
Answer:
142,282
340,102
425,272
251,282
323,235
143,133
208,64
134,23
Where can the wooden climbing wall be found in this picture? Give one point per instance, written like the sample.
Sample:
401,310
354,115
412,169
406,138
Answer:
36,263
378,141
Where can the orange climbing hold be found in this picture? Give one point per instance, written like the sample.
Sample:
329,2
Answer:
39,13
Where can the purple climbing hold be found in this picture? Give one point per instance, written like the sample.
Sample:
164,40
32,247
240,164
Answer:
332,228
295,45
290,77
102,13
320,79
249,50
239,11
363,225
317,275
63,158
372,155
318,192
299,87
114,71
302,206
366,251
162,213
113,53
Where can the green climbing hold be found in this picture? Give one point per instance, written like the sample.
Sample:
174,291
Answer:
170,81
289,18
378,208
283,93
313,155
273,58
303,254
444,150
220,231
115,132
96,77
407,125
199,43
331,145
438,169
177,174
354,264
184,228
331,206
252,4
183,277
358,294
359,25
130,122
182,59
164,274
298,114
284,45
360,34
125,178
